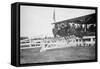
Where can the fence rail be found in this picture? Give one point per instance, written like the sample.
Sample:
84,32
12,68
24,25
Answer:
49,44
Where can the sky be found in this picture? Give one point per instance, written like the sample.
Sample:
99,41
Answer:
37,21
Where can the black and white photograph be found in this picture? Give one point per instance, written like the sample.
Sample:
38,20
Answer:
57,34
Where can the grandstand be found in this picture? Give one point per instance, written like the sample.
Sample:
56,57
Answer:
80,26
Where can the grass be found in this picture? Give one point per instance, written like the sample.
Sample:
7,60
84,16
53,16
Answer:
63,54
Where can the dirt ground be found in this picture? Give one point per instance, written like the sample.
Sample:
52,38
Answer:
63,54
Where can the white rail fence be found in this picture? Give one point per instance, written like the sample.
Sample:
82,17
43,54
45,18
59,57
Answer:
50,44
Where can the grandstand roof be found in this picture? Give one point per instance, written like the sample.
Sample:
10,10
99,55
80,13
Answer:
87,19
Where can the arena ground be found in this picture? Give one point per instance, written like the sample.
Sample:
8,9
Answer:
63,54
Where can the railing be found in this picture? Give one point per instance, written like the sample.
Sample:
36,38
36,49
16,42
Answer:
64,44
30,45
50,44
